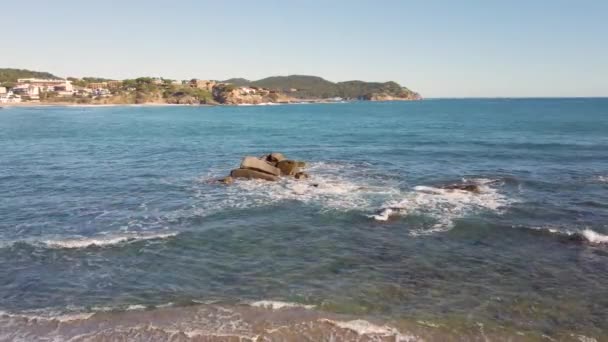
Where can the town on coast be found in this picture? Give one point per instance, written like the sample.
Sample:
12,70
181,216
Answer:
24,87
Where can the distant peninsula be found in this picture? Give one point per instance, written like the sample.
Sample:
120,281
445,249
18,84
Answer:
26,86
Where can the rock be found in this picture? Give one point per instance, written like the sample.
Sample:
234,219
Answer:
301,175
226,180
275,157
464,187
288,167
252,174
301,164
254,163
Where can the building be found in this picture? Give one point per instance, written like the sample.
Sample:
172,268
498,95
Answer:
114,84
30,90
97,85
2,90
46,84
10,97
202,84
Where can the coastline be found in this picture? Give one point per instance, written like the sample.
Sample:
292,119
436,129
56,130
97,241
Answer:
67,104
258,321
156,104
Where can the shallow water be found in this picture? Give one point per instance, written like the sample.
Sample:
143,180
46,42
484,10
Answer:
109,211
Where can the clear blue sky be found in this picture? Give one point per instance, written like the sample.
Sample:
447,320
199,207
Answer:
439,48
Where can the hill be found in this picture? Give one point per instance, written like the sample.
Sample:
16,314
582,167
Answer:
239,82
8,75
302,86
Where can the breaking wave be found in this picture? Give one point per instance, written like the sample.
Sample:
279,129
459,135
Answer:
585,235
278,305
201,322
366,328
332,186
445,205
602,179
102,241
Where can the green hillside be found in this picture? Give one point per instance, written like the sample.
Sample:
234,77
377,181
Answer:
301,86
239,82
9,76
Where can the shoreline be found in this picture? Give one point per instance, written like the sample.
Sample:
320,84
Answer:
155,104
61,104
265,319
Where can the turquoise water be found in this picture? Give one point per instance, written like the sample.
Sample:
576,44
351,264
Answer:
113,208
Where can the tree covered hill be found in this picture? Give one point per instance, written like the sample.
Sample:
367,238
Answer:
8,75
302,86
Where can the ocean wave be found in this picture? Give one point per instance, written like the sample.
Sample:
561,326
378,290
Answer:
601,179
594,237
363,327
277,305
445,205
585,235
49,316
103,241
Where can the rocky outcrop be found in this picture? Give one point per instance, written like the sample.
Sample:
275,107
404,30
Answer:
232,95
268,167
275,157
404,95
288,167
261,165
252,174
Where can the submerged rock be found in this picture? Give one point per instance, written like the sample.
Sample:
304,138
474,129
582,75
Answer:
463,187
226,180
301,175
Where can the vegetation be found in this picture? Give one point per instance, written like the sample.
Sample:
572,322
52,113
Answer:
83,82
8,77
239,82
148,89
301,86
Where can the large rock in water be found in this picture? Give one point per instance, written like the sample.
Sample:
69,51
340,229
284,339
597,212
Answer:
252,174
254,163
275,157
288,167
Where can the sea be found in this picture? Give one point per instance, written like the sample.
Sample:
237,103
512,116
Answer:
114,228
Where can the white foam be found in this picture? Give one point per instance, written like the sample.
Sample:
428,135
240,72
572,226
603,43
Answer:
331,186
50,316
594,237
136,307
586,234
363,327
445,205
602,179
105,240
277,305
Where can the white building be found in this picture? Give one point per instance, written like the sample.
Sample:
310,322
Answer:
10,97
47,84
2,90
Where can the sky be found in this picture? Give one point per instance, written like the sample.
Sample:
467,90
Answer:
467,48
